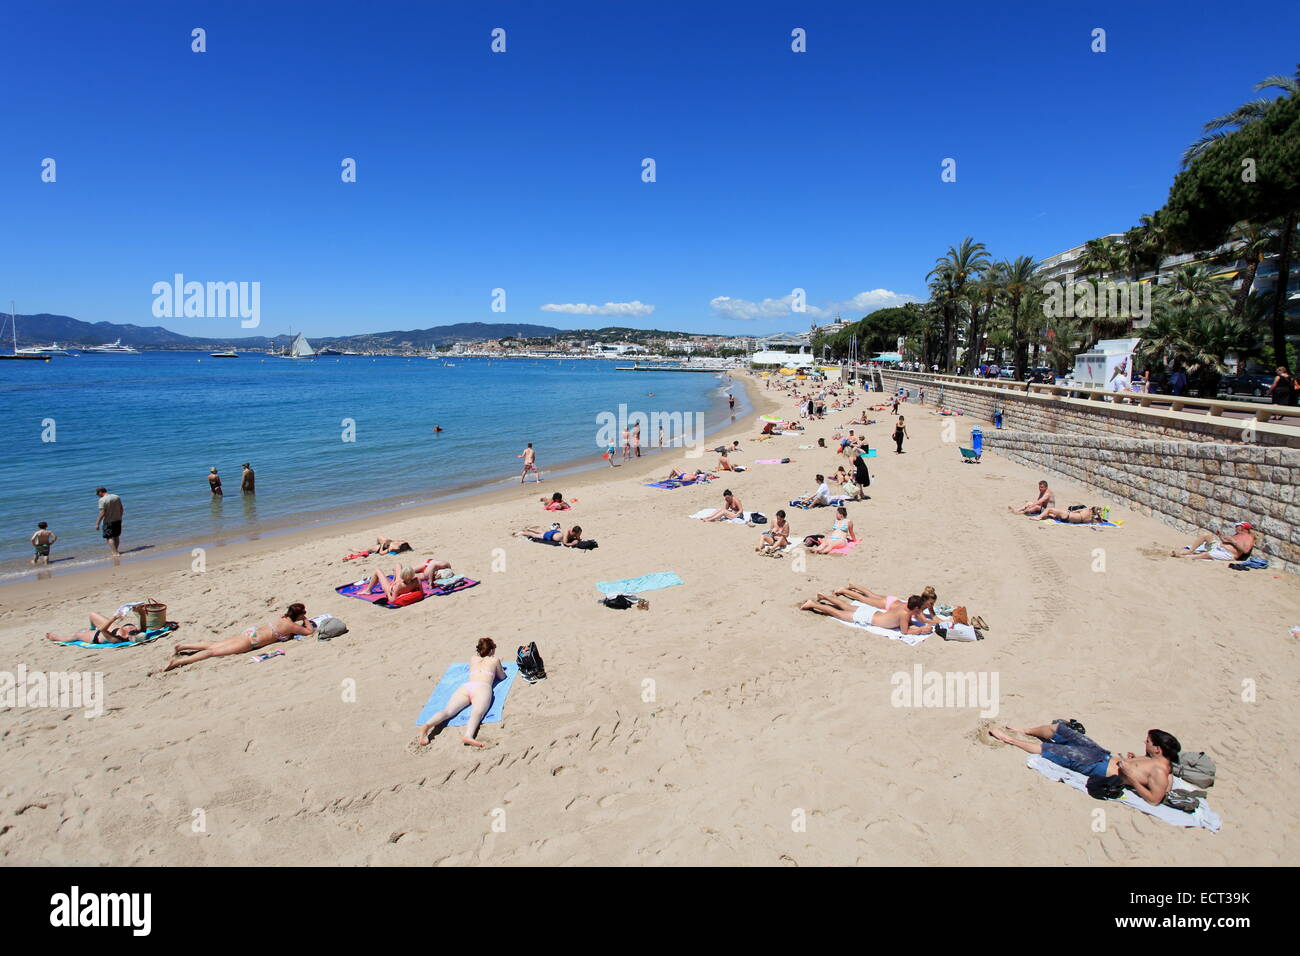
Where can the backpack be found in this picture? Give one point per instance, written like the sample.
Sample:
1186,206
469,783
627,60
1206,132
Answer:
620,602
1196,768
329,627
1105,788
587,545
757,517
530,663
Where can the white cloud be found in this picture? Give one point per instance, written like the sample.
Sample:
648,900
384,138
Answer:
626,309
854,308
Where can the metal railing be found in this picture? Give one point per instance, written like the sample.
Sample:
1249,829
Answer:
1212,407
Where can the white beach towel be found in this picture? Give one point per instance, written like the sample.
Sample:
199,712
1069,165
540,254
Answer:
1203,817
909,639
705,512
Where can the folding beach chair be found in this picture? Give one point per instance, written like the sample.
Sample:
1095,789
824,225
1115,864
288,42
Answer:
969,456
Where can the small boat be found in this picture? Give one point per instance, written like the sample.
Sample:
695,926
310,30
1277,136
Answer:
16,355
112,348
228,354
300,349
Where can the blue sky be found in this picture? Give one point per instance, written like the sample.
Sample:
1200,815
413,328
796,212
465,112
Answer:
522,170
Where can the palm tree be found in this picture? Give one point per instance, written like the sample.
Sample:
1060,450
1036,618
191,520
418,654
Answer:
1101,257
1255,244
953,271
1226,125
1198,337
983,290
1193,285
1019,285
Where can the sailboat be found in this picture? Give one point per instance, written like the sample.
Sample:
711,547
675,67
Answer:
300,349
17,355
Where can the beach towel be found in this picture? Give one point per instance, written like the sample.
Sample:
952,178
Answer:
846,547
456,675
1095,524
646,582
144,638
909,639
1203,817
379,599
745,518
772,461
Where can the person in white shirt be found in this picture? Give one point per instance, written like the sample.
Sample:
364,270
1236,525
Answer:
822,496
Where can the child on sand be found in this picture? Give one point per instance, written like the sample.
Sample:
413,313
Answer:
42,540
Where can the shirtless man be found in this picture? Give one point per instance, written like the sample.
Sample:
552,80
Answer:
1045,499
897,618
1150,776
476,693
1213,548
530,463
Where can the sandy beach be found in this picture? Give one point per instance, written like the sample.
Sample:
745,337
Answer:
720,727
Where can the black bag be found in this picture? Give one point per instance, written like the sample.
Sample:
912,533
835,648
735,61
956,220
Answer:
757,517
530,663
619,602
1105,788
587,545
813,540
1073,724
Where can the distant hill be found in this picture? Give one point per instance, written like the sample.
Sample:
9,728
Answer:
44,328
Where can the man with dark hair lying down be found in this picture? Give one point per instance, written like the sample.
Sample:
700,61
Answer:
568,538
1151,776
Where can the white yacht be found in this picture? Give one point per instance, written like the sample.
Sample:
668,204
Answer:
55,349
230,353
113,348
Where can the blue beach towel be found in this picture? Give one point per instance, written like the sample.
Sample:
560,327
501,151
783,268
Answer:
456,675
1094,524
144,638
646,582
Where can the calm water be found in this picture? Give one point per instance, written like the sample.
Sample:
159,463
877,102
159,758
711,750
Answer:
149,426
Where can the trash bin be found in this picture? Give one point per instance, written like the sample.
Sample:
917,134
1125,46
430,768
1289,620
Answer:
997,418
977,440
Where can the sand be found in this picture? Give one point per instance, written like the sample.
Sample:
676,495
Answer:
722,726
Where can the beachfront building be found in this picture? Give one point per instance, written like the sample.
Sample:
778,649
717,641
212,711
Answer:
783,349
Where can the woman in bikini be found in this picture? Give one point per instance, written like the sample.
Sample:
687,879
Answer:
1091,515
404,580
777,537
567,538
475,693
841,533
556,503
122,626
291,624
731,508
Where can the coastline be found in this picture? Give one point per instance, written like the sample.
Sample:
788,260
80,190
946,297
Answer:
306,527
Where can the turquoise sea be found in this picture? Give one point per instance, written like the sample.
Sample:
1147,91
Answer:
149,426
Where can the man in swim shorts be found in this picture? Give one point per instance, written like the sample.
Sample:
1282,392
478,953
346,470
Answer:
1210,547
109,522
1150,776
1044,500
42,540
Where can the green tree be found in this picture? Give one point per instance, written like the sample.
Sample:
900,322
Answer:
952,271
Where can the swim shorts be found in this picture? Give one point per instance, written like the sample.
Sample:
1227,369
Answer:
112,529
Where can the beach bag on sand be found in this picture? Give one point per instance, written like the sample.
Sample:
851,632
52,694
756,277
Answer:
153,615
530,663
587,545
1184,800
757,517
960,615
1196,768
1105,788
813,540
329,627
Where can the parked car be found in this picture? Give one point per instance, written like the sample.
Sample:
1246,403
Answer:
1245,383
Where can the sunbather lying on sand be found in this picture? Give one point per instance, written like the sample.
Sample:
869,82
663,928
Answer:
1151,775
1079,516
121,626
898,618
385,545
476,693
555,503
292,622
434,569
731,508
687,476
1213,548
567,538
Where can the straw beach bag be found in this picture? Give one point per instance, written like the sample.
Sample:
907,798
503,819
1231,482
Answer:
153,615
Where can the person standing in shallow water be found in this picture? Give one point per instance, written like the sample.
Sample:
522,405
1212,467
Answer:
214,482
246,481
900,432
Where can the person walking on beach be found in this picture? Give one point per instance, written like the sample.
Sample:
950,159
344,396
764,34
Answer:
214,482
731,402
42,540
627,444
900,432
636,439
109,522
475,693
246,481
530,463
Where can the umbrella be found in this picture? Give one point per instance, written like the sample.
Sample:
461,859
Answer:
774,419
